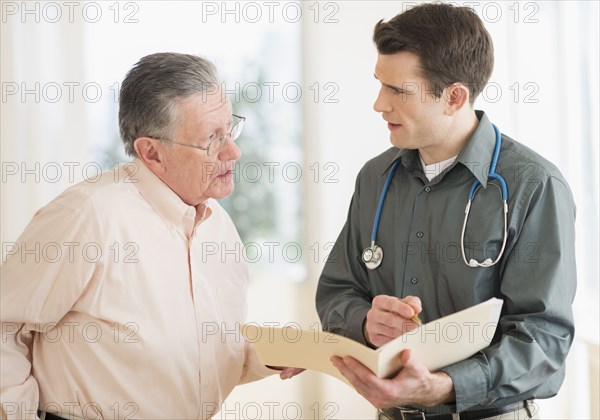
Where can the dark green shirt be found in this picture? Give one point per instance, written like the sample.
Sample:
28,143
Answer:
420,231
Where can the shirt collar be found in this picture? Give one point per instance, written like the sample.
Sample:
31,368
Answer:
407,157
476,155
163,199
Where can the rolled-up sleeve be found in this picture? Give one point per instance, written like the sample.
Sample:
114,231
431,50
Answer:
253,369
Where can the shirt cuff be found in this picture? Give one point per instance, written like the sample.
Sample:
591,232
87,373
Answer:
253,368
470,383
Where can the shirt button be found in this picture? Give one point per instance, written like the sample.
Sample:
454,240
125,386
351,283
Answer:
414,280
427,189
419,234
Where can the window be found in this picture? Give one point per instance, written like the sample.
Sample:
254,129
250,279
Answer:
257,56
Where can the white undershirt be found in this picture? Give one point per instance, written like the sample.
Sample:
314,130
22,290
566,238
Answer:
433,170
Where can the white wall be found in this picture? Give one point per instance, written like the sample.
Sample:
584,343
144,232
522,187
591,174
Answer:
349,132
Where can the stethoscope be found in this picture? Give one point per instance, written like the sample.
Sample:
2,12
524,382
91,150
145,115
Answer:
373,255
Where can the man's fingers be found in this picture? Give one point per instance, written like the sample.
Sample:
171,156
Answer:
383,323
382,326
290,372
414,302
379,392
345,370
354,371
405,357
385,302
405,308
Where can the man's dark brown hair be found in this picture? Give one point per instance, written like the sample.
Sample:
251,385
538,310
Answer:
451,42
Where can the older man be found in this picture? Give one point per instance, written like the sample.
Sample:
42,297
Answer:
128,317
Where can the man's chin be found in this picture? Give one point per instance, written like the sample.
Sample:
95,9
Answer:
401,142
223,191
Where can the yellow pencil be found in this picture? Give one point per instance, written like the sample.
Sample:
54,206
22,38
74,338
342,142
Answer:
416,319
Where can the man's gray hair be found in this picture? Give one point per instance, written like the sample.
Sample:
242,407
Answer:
151,89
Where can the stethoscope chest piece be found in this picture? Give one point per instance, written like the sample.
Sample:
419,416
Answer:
372,257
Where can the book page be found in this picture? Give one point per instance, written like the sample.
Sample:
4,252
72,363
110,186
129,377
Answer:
436,344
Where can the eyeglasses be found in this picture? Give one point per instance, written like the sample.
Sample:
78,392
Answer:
216,144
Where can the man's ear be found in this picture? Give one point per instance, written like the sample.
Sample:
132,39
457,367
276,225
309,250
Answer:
147,151
457,96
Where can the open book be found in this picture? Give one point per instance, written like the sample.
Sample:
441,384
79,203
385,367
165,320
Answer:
436,344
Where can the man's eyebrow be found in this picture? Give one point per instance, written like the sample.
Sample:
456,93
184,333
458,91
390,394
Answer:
388,85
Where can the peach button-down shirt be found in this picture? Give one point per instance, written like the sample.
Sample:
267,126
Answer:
120,301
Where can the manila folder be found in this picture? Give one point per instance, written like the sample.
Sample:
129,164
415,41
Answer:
436,344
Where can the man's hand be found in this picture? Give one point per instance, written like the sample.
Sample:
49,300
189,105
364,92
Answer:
287,372
290,372
414,384
390,317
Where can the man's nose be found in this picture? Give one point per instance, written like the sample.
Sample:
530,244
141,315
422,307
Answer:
381,103
230,151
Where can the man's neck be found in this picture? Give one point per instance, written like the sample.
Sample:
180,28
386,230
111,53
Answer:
455,138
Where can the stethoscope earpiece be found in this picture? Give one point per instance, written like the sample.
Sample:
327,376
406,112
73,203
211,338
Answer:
486,263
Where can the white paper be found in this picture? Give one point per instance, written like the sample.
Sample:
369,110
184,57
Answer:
436,344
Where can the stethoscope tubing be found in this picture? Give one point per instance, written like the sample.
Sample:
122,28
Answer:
386,186
492,175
